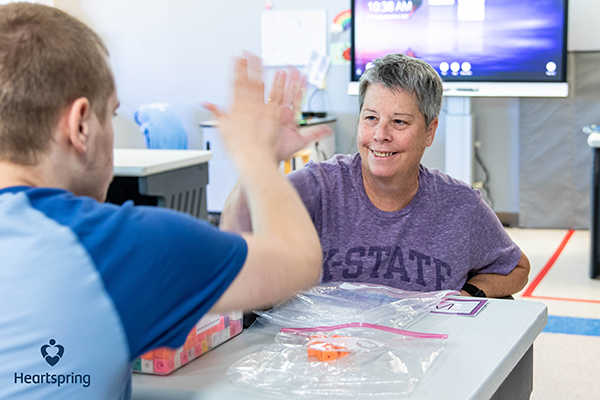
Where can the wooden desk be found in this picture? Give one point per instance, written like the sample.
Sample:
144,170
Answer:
489,356
174,179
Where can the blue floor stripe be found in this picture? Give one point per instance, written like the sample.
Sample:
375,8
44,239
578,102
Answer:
573,326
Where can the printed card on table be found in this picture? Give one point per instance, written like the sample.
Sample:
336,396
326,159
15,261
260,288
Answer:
468,307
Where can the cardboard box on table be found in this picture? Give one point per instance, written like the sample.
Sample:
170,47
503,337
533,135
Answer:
209,332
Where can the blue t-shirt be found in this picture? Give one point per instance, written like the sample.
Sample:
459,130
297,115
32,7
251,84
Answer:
86,287
446,232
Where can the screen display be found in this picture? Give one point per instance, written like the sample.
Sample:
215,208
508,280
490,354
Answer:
466,40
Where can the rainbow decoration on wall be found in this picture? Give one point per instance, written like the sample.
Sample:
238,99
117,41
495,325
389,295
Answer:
341,22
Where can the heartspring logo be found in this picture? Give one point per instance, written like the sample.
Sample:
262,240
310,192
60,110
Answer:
52,360
52,353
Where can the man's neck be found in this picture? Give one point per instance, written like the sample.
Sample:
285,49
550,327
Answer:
12,174
392,194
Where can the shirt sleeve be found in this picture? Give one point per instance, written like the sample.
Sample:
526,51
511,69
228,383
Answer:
163,269
492,251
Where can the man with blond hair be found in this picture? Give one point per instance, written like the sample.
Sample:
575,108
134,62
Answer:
86,287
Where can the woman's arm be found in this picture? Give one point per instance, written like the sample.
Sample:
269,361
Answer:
496,285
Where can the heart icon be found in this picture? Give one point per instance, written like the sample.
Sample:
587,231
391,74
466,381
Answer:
54,349
52,360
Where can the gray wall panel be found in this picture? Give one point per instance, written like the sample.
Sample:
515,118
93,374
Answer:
546,159
586,112
556,161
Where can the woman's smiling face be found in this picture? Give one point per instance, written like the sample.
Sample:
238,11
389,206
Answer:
392,133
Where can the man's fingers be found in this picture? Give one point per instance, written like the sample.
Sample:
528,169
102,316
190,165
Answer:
241,69
240,85
255,78
277,91
299,95
217,112
254,67
248,88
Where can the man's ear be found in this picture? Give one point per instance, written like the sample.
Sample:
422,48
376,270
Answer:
78,115
431,131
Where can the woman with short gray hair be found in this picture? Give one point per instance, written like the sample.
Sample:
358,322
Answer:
400,72
384,218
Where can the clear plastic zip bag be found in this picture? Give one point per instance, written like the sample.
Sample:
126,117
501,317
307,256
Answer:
339,303
357,359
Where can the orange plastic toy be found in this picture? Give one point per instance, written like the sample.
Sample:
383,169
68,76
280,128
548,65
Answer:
324,351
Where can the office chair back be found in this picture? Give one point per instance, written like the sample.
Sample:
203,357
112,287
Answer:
161,127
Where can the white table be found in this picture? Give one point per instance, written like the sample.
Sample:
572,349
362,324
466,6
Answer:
487,356
173,179
144,162
594,143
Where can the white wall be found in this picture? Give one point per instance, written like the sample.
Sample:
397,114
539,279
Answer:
180,52
583,25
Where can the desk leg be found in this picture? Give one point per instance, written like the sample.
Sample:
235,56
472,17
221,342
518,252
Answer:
595,245
518,385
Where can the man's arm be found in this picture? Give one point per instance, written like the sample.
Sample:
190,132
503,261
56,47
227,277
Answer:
236,215
284,253
496,285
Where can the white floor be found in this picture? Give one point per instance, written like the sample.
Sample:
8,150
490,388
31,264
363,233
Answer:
566,366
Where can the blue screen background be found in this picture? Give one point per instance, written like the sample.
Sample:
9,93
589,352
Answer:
500,40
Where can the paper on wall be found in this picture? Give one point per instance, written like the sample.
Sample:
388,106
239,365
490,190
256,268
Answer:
316,69
289,37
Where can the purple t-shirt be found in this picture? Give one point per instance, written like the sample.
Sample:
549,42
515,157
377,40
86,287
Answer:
433,243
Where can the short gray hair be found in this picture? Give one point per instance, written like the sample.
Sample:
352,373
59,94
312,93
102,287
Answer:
401,72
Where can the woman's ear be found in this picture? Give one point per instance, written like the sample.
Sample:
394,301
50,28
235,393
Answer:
77,125
431,131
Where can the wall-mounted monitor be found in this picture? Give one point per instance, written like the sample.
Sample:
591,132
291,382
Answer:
514,48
